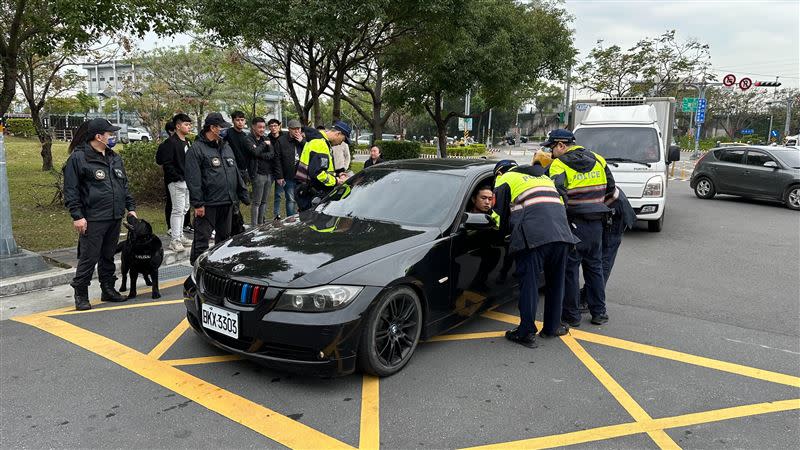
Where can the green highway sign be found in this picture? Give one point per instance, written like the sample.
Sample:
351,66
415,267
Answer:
689,104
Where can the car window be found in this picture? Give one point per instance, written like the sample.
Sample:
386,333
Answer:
791,158
757,158
402,196
732,156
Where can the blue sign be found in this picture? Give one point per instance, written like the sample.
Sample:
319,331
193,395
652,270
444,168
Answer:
701,104
773,133
700,117
747,131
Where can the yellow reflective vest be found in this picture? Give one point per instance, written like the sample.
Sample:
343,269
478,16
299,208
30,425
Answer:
315,166
584,177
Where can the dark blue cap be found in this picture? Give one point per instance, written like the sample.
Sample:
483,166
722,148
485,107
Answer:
558,135
505,165
344,128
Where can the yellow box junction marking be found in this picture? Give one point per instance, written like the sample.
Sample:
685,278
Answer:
296,435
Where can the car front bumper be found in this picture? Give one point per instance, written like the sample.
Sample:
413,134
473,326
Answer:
644,205
320,344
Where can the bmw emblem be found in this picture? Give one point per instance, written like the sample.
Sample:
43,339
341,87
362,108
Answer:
238,267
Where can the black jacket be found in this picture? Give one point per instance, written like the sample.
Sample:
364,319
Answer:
212,176
261,155
96,186
287,153
238,143
369,162
171,156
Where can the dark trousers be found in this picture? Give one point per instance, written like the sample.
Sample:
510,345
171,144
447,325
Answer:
216,219
97,247
551,259
588,254
303,196
612,239
187,219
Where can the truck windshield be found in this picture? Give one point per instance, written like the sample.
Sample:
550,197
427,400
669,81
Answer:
634,143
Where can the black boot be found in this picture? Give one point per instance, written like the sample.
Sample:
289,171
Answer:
109,294
82,299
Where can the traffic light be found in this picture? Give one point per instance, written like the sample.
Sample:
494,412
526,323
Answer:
767,83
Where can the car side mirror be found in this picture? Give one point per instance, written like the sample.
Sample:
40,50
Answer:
674,154
771,164
476,221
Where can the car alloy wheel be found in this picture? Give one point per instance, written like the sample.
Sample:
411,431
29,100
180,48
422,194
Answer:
793,198
704,188
392,332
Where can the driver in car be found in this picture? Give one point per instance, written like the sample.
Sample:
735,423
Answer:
482,200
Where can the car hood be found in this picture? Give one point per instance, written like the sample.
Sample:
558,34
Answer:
312,249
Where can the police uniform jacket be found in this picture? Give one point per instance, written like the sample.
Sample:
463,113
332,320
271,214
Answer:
530,208
212,176
96,186
621,208
585,180
315,167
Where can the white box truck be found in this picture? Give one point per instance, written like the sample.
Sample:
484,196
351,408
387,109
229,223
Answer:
634,135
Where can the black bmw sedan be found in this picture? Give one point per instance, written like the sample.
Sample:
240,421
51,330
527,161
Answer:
388,258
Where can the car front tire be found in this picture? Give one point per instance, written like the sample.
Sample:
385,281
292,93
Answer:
704,188
655,226
144,139
391,332
792,197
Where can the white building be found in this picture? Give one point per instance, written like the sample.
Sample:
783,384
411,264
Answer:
109,78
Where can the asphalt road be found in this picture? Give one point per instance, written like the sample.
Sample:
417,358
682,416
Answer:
702,351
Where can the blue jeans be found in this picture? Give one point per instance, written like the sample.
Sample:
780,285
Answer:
588,254
288,190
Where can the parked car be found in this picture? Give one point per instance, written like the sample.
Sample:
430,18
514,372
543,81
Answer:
356,282
364,139
754,171
138,134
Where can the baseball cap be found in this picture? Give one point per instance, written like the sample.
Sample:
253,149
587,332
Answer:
99,126
294,123
558,135
344,128
216,118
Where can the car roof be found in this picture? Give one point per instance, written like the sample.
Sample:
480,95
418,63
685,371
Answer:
769,148
465,166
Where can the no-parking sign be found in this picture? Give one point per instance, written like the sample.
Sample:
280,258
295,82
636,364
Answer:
729,80
745,83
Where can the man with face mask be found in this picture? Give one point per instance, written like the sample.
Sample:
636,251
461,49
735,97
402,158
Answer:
96,195
215,184
315,171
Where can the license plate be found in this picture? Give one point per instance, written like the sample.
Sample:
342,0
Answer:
221,320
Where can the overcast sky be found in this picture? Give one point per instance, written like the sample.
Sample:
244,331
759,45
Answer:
758,39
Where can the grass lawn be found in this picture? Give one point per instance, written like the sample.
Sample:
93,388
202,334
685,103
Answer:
37,224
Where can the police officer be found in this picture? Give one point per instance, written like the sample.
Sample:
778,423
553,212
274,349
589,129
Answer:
215,184
96,194
585,180
528,206
315,173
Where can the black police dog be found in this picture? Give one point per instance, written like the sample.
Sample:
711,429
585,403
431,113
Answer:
142,252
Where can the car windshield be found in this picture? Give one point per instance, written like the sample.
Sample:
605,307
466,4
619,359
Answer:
403,196
791,158
635,143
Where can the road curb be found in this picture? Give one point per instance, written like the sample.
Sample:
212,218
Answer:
58,277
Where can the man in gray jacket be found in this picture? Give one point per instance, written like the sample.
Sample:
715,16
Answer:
214,183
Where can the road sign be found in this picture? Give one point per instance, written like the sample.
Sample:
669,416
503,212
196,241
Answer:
745,84
729,80
689,104
462,123
700,117
701,104
773,133
746,131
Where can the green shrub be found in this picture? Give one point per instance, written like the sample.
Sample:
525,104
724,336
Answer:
474,150
399,149
687,143
428,150
145,177
21,127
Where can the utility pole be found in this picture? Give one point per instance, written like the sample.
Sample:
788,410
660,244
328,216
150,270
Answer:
489,130
788,117
566,96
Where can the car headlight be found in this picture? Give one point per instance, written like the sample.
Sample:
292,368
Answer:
318,299
196,267
654,187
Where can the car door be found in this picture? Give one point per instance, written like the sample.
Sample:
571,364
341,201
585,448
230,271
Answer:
727,171
759,180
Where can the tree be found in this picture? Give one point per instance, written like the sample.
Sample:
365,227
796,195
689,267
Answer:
195,76
654,66
61,106
39,78
498,49
40,27
367,98
245,87
86,103
152,100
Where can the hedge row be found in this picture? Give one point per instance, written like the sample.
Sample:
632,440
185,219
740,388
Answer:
21,127
469,150
145,177
399,149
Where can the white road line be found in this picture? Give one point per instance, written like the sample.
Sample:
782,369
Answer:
763,346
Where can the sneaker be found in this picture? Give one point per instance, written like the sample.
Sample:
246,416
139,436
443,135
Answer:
560,331
278,217
528,340
572,323
599,319
176,246
186,242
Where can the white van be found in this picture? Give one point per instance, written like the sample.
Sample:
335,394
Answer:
634,135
